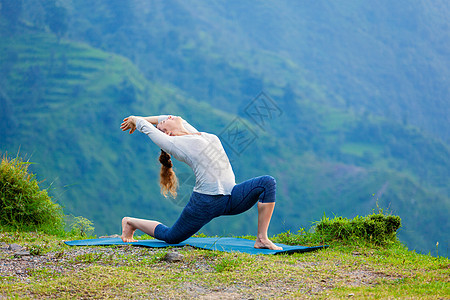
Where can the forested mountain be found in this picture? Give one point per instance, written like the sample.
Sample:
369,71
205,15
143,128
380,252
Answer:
389,59
353,110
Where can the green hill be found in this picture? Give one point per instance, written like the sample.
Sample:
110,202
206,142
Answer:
63,101
388,59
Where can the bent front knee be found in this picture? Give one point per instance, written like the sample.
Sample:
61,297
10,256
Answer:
270,185
269,180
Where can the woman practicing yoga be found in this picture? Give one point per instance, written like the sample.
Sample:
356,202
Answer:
215,192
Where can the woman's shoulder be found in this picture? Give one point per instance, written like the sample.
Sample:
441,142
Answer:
197,141
210,136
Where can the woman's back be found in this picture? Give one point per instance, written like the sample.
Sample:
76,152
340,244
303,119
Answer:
203,152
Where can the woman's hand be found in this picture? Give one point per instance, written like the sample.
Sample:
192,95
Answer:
129,123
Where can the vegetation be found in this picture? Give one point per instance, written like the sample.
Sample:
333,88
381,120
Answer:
374,230
81,226
377,228
365,259
70,74
24,206
365,104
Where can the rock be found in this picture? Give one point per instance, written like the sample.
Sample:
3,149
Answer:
173,257
110,236
21,254
3,247
15,247
59,255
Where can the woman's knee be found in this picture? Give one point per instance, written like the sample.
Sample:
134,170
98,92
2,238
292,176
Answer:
269,182
270,179
270,185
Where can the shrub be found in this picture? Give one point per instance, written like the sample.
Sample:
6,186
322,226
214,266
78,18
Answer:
81,226
378,229
23,205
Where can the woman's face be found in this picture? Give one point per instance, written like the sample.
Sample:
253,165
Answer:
170,124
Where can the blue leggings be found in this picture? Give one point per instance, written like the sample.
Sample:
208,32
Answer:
202,208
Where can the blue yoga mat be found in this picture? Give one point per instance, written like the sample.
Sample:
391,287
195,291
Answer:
226,244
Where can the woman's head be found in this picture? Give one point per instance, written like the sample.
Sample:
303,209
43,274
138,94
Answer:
168,180
171,126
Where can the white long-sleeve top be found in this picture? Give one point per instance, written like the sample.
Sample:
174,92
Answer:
203,152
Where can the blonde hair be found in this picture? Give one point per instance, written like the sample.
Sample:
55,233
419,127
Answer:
168,180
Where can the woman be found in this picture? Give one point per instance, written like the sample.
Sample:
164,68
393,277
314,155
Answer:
215,192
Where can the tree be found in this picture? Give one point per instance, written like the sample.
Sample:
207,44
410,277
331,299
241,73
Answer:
11,10
56,18
121,14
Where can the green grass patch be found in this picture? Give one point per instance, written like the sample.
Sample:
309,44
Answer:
377,229
228,264
343,270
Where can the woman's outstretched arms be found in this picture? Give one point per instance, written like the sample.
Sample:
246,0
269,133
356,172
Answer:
142,124
151,119
158,119
129,123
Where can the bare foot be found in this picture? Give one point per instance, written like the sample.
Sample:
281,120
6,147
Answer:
266,244
127,231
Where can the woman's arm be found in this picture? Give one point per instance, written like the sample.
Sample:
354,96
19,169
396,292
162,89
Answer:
157,119
142,124
131,124
151,119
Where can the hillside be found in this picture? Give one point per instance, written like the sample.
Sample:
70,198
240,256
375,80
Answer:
63,101
387,59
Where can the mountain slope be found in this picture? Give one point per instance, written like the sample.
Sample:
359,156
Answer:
62,103
389,59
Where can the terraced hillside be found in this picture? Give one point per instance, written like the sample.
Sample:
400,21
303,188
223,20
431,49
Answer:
63,101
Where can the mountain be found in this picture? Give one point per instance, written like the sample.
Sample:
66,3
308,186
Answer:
383,58
65,89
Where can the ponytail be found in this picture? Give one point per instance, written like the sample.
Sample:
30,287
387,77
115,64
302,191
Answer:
168,180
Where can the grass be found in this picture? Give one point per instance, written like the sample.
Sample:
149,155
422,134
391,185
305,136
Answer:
364,271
